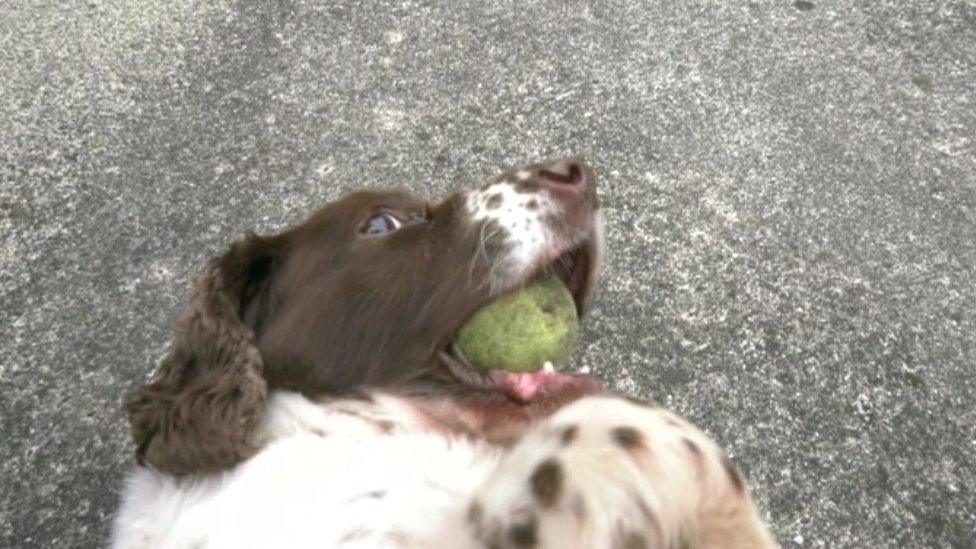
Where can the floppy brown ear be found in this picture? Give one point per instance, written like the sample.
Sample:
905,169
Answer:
209,392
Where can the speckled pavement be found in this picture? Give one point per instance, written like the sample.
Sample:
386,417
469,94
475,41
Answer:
790,188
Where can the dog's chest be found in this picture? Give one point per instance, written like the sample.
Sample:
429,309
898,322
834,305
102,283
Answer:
327,477
377,492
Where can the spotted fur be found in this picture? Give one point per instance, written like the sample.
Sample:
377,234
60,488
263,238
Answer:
686,493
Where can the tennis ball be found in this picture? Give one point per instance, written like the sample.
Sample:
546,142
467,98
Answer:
522,331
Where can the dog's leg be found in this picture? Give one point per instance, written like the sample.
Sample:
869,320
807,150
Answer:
605,472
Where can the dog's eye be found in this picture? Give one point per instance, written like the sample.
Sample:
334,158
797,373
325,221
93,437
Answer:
381,223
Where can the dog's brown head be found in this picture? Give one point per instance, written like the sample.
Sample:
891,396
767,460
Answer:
368,292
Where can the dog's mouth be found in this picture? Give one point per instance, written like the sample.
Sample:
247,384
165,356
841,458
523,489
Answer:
577,267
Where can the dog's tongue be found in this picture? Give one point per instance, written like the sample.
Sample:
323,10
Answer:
527,387
535,385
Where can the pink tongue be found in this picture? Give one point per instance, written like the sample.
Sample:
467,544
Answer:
528,387
525,386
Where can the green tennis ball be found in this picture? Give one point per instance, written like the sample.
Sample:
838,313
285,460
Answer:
522,331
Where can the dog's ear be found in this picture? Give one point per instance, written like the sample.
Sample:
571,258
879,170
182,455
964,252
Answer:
209,392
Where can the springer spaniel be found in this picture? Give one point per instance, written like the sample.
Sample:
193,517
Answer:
310,398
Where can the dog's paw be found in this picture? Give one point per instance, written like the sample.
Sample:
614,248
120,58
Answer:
609,472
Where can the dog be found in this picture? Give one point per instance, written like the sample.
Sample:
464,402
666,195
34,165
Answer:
311,397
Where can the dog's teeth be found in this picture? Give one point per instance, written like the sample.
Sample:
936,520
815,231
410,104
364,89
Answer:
548,367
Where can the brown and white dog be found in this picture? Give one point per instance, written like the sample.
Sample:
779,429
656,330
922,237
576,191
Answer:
310,398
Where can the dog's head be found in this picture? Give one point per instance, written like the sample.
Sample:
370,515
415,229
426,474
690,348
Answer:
368,292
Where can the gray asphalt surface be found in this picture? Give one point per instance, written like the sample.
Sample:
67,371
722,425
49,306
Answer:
790,187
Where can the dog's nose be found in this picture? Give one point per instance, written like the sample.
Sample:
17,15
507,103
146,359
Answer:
568,176
568,172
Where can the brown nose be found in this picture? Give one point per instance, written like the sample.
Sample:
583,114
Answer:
568,177
566,172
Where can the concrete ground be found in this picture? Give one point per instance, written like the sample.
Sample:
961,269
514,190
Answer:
790,187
